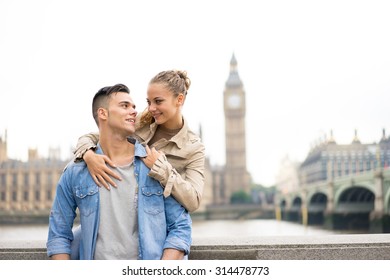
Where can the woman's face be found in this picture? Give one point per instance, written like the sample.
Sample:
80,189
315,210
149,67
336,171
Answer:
164,107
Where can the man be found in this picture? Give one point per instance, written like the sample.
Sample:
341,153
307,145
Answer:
132,221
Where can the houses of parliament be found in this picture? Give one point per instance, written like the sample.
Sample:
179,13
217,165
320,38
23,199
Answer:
28,188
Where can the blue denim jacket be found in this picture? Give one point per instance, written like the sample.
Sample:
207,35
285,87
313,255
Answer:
162,222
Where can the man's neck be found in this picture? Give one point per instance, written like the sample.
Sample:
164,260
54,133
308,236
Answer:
117,148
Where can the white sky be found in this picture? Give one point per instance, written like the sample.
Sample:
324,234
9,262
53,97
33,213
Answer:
307,67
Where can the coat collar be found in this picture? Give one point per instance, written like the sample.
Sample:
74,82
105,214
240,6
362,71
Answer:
145,133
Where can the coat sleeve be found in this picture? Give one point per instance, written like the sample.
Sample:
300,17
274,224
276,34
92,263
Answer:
187,189
84,143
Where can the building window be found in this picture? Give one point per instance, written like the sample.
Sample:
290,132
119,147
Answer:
346,168
3,196
14,196
354,167
3,179
361,168
49,195
26,179
49,178
339,167
14,179
25,195
38,179
37,195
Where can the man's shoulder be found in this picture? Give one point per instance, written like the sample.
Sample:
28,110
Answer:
75,167
76,174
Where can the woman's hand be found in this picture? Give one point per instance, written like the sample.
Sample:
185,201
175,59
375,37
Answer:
152,156
98,169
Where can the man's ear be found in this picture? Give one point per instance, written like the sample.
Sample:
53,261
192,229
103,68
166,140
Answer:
102,113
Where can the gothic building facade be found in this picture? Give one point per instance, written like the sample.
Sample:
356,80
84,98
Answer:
28,188
330,160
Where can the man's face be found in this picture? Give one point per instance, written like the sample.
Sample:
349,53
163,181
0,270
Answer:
121,113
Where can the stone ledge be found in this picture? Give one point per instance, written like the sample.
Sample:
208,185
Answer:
324,247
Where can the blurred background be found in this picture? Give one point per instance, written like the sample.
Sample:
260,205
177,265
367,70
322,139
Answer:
289,97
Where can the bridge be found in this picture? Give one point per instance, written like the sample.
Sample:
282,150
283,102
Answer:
360,201
236,212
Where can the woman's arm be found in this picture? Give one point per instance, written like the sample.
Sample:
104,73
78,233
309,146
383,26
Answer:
97,164
188,191
85,143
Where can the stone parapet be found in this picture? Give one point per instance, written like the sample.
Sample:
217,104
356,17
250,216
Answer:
324,247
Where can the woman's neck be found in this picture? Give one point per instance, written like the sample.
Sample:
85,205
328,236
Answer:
174,123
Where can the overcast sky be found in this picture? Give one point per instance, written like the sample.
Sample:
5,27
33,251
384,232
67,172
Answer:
308,67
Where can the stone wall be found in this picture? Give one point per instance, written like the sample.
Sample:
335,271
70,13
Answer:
328,247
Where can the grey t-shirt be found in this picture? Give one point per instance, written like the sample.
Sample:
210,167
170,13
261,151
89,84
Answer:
117,237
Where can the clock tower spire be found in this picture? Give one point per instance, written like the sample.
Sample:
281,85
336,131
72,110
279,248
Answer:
236,175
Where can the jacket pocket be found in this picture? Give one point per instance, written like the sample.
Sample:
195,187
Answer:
87,198
153,200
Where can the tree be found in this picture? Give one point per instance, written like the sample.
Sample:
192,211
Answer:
240,197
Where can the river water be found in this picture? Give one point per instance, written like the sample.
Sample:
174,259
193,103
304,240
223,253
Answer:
201,229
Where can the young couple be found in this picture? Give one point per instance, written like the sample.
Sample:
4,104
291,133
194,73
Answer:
151,180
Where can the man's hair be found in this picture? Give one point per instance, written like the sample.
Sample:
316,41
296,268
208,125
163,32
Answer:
101,98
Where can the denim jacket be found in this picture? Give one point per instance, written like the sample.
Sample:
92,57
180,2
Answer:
162,222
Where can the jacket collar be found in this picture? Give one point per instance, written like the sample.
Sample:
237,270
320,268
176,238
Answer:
139,149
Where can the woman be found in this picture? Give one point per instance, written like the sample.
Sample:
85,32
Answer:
175,154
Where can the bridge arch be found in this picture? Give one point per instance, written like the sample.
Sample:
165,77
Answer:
294,211
342,189
296,203
316,206
352,208
355,199
317,202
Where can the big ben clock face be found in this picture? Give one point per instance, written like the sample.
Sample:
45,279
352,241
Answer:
234,100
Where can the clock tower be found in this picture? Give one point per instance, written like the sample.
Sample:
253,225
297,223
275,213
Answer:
237,177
